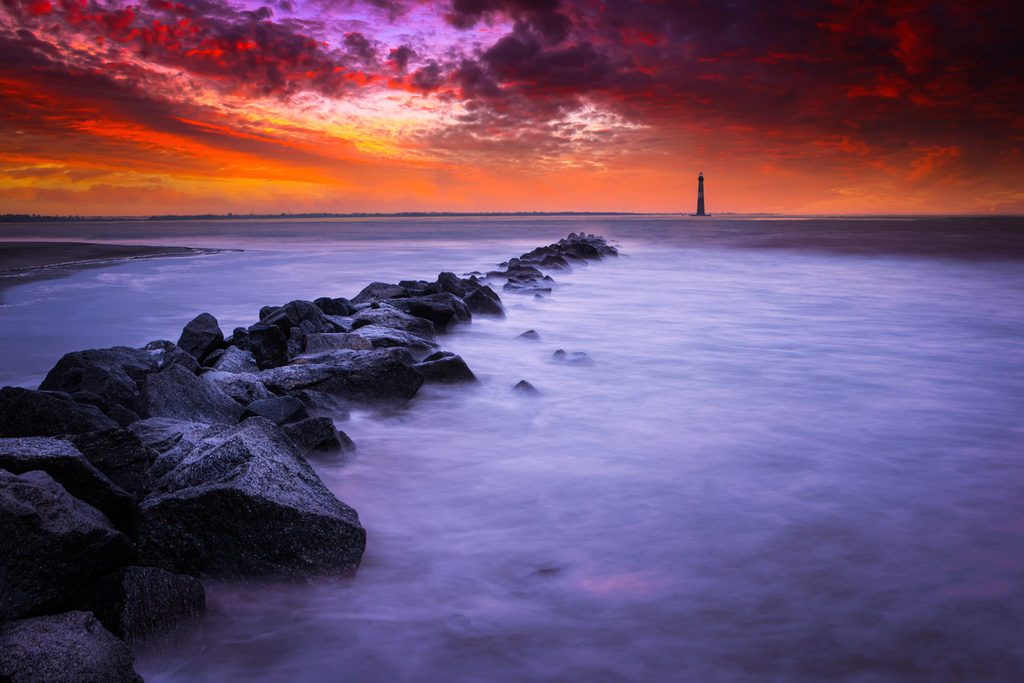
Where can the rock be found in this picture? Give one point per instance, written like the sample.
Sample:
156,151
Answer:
529,335
320,403
293,314
524,388
245,503
575,358
178,394
243,387
379,377
165,353
341,324
317,343
318,435
449,370
379,291
340,306
201,336
279,410
555,262
120,455
484,301
236,360
145,605
24,412
388,316
69,468
240,338
52,544
268,345
212,357
66,648
386,337
442,310
122,416
163,435
112,373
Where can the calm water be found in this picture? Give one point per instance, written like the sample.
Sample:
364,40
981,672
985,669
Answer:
798,457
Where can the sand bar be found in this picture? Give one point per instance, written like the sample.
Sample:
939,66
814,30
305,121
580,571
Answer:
20,256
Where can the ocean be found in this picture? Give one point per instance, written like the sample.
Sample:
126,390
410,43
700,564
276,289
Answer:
797,456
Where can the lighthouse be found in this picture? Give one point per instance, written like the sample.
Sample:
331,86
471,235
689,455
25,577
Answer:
700,195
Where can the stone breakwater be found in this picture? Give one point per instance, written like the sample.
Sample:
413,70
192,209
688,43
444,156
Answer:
131,475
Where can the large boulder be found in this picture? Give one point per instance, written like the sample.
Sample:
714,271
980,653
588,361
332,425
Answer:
243,387
120,455
245,502
382,376
379,291
445,368
112,374
51,546
279,409
24,412
165,353
69,468
318,343
442,310
163,434
201,336
269,345
293,314
145,605
484,301
386,338
235,360
318,436
389,316
178,394
339,306
66,648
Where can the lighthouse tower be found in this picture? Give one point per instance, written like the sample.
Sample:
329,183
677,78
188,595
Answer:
700,194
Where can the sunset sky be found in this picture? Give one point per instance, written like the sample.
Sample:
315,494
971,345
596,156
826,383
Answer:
798,106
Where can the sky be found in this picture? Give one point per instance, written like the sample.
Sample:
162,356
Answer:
112,107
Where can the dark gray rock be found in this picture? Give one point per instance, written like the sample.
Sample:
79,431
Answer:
201,336
320,403
122,416
386,338
388,316
341,324
379,291
243,387
212,357
246,503
235,360
66,648
379,377
52,544
279,410
318,343
120,455
484,301
318,435
442,310
166,353
524,388
112,373
340,306
575,358
529,335
163,434
268,345
69,468
145,606
449,370
178,394
240,338
24,412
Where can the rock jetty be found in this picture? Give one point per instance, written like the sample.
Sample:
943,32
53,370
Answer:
130,475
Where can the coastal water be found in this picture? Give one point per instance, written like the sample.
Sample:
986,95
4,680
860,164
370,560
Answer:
798,456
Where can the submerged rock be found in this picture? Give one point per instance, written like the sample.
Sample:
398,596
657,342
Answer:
574,358
529,335
524,388
24,412
449,369
484,301
245,503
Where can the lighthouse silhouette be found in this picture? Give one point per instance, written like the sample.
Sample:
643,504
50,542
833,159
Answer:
700,195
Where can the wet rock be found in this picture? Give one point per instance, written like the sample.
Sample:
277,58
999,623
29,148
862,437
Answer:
318,343
166,353
386,337
529,335
524,388
163,434
320,403
442,310
318,435
448,370
379,377
269,345
178,394
240,338
236,360
201,336
212,357
340,306
243,387
24,412
112,373
145,605
379,291
122,416
390,317
341,324
120,455
555,262
66,648
484,301
69,468
52,544
575,358
279,410
246,503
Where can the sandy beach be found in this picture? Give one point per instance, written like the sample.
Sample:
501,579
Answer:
21,256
